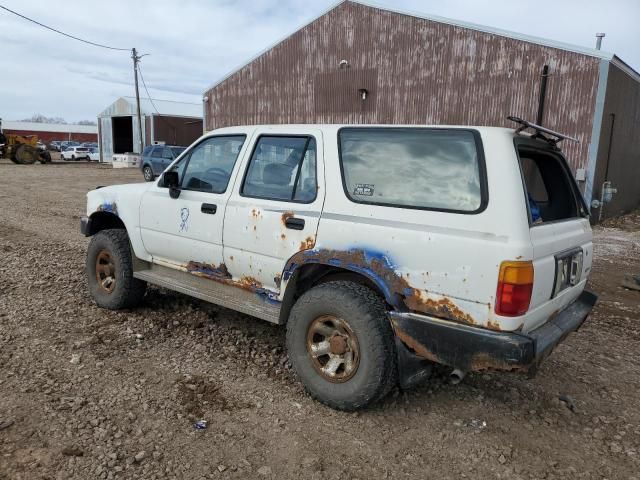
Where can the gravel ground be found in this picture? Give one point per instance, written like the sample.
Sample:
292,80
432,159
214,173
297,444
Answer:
89,393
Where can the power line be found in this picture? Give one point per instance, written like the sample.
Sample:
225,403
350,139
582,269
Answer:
146,90
61,33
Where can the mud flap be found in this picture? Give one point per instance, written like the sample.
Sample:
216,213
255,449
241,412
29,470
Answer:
412,370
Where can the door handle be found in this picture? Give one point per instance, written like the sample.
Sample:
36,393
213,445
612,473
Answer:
294,223
209,208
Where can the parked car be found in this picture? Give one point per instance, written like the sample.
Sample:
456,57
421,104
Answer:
68,143
94,154
384,249
75,153
55,146
156,158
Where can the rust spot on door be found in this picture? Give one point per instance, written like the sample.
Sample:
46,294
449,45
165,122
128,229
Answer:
285,216
283,236
277,280
308,243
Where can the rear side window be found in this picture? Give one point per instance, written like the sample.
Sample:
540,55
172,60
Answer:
549,189
157,152
433,169
282,168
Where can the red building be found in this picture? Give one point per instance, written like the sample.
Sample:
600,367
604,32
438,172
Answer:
48,132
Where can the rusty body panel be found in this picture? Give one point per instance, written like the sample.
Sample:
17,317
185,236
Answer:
221,274
414,71
475,349
376,267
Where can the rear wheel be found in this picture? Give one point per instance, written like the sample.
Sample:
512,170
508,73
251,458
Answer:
26,154
147,172
341,345
109,270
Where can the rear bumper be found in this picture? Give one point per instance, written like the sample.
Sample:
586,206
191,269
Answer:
469,348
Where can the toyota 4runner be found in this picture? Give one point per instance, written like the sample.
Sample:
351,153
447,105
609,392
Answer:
383,249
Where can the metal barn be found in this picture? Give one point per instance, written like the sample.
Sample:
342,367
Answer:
174,123
358,63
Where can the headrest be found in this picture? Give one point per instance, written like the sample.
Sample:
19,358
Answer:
277,174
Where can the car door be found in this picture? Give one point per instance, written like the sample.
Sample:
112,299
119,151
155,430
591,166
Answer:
156,160
186,232
167,158
274,211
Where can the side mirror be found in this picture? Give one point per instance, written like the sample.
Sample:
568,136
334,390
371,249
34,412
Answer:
171,180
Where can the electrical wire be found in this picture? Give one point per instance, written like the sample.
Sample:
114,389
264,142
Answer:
62,33
147,90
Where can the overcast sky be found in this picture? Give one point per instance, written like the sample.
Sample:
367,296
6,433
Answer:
193,43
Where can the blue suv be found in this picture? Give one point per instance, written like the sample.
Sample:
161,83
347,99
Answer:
156,158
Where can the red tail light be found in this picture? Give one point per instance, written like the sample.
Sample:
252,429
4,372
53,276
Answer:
515,284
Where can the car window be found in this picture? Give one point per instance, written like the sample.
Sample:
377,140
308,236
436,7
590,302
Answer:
177,151
166,153
282,168
437,169
147,151
548,187
208,166
157,152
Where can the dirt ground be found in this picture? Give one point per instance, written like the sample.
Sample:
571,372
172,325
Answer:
88,393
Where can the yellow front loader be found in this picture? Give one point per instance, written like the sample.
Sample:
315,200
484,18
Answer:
22,149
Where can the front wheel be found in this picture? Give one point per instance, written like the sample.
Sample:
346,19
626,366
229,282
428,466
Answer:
340,344
109,270
147,172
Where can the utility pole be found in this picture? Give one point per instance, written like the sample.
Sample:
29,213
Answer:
136,59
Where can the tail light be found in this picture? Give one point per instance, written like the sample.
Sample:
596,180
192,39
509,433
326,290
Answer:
515,284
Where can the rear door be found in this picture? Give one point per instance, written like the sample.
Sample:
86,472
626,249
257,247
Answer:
156,160
559,228
275,207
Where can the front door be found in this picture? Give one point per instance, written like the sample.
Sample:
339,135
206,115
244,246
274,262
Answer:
186,232
274,211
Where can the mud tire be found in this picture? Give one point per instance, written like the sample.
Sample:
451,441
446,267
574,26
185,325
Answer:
365,312
128,291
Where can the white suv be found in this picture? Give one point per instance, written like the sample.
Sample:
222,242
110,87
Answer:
383,249
75,153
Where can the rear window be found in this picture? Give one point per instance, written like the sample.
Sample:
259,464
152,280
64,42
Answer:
550,191
81,149
434,169
177,151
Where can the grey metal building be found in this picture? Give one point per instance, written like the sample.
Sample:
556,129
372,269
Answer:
175,123
359,63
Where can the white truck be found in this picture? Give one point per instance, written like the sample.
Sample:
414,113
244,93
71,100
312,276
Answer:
384,249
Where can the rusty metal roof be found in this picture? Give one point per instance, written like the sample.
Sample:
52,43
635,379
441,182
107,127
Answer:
592,52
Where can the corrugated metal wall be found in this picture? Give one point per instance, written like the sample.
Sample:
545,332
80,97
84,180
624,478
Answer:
182,131
415,70
619,147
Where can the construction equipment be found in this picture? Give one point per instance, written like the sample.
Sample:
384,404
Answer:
22,149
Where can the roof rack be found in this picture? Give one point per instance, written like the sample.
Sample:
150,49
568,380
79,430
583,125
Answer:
541,132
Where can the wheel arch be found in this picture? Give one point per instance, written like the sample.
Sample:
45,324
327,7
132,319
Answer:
309,275
104,220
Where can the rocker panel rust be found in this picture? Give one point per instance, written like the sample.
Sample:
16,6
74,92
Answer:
221,274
